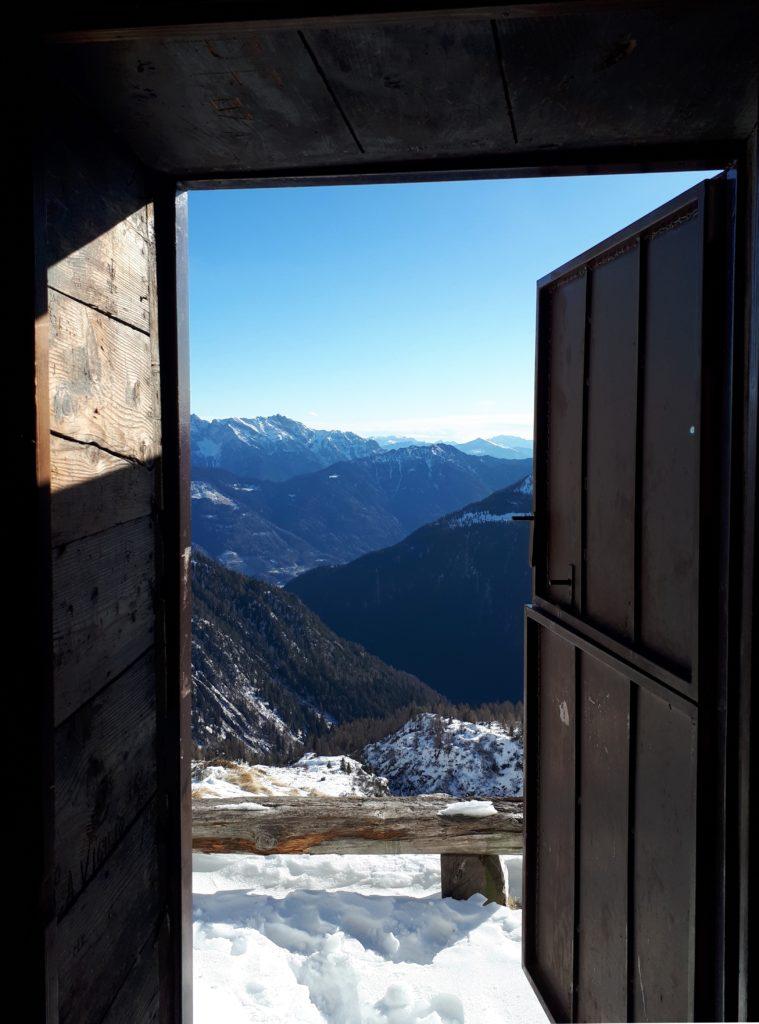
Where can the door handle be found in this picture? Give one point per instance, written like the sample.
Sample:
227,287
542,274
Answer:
565,582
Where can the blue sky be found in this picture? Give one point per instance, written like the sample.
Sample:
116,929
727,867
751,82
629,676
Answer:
405,309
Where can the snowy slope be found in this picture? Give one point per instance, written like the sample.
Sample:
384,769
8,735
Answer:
429,754
266,670
309,776
227,702
433,754
350,940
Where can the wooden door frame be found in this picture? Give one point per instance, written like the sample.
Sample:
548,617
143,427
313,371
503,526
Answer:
171,242
175,627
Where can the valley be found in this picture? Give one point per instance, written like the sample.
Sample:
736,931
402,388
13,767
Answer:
363,612
275,530
445,603
267,672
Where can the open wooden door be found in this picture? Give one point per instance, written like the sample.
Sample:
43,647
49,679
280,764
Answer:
625,677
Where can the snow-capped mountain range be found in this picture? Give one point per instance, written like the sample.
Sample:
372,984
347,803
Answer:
502,446
277,447
271,497
271,447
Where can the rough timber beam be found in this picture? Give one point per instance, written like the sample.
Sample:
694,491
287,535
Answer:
378,825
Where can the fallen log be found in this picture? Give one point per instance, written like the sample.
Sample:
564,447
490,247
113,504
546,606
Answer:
352,825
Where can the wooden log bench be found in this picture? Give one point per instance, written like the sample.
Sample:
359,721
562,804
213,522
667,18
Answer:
469,847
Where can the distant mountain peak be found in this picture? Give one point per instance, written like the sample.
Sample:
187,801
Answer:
502,446
271,447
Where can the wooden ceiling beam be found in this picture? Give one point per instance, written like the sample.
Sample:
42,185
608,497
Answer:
221,18
635,159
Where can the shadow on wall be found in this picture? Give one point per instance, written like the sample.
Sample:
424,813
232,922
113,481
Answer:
108,817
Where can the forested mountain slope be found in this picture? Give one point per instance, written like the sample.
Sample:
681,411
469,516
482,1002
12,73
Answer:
446,603
266,670
277,530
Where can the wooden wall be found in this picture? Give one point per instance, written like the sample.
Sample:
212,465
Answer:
110,878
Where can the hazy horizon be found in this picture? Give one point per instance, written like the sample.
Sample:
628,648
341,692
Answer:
457,438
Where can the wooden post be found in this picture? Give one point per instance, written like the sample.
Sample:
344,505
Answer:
464,874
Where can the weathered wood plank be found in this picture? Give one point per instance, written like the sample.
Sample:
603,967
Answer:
93,490
138,1001
102,609
582,78
105,762
111,889
110,271
102,381
428,87
351,825
90,184
588,81
100,935
253,98
464,874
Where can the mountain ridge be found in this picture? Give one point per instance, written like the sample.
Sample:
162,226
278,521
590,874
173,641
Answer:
271,447
501,446
278,447
446,602
276,530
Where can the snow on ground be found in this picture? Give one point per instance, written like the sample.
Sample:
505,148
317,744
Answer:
310,776
351,940
200,491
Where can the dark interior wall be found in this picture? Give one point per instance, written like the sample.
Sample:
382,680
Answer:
745,783
110,884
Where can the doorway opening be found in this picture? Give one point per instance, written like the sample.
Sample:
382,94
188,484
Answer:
362,485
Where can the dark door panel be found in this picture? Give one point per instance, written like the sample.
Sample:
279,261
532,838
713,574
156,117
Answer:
611,813
564,377
603,743
670,440
551,940
663,859
621,901
610,456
